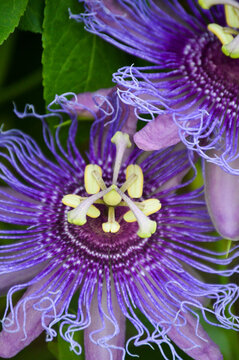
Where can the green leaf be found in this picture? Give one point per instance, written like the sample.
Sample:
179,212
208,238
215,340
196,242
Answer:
33,17
10,14
64,352
73,59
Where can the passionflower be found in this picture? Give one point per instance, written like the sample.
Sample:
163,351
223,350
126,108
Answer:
192,89
105,237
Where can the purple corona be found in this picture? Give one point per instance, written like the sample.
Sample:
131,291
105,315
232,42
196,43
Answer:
108,235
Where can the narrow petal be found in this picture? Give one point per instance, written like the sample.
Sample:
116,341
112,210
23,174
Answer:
200,346
222,197
91,101
94,351
158,134
13,342
18,277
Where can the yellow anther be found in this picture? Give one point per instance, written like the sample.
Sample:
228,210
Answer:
232,16
111,225
71,200
120,137
221,33
232,49
93,212
75,200
136,189
205,4
112,198
148,207
92,186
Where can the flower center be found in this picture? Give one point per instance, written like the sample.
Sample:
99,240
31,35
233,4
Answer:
114,196
229,36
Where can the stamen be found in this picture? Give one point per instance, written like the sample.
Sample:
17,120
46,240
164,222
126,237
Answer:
75,200
232,16
71,200
121,141
206,4
111,225
136,189
78,215
112,198
128,182
147,227
232,49
148,207
221,33
98,178
91,175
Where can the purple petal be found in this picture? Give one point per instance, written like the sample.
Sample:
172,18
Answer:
201,347
19,277
222,197
92,101
13,342
96,351
158,134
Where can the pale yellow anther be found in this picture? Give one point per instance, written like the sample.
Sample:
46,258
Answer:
120,137
205,4
111,225
112,198
71,200
136,189
148,207
232,16
92,186
221,33
75,200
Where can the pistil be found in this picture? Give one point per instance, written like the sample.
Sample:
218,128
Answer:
122,142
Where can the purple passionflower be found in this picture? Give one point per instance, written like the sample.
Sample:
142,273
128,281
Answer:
132,257
192,88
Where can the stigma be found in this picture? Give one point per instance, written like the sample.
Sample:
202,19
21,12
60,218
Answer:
112,196
229,35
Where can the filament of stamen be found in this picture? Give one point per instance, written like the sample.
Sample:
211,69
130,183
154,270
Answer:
131,179
99,180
